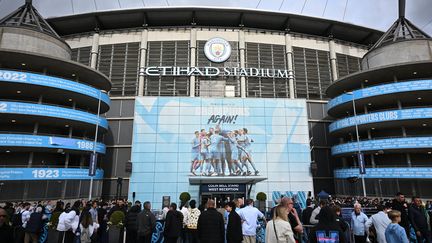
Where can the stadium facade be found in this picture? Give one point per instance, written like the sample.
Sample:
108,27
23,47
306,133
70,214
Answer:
175,71
383,116
50,111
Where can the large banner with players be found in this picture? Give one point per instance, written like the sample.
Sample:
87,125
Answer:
176,138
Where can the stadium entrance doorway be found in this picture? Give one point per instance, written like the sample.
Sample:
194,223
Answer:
222,192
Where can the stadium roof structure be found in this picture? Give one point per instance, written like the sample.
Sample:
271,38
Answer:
28,17
212,17
402,29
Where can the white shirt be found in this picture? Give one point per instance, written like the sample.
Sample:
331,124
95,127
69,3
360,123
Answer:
380,221
185,212
250,215
25,216
315,212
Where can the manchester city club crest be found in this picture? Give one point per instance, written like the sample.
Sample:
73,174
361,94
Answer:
217,49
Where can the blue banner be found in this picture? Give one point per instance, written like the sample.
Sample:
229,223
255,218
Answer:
382,173
393,115
383,144
53,82
361,162
381,90
22,140
51,111
17,174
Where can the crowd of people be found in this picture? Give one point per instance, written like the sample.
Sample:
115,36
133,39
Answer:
232,222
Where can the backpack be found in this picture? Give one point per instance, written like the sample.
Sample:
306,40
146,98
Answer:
16,219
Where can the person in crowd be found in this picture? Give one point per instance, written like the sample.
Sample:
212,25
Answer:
68,222
87,226
94,211
34,226
314,219
395,232
146,223
358,224
184,209
59,207
417,217
401,205
102,219
239,204
25,214
249,216
211,228
9,209
339,219
380,221
327,229
279,229
6,231
293,217
119,205
173,224
131,220
17,222
192,222
307,212
234,232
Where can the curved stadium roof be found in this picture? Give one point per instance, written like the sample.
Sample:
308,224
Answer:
214,17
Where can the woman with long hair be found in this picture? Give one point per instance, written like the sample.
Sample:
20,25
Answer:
87,226
278,230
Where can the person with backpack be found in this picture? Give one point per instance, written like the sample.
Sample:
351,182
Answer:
34,226
192,222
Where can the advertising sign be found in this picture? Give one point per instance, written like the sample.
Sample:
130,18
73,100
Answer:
92,164
361,162
381,90
15,174
394,115
176,139
383,173
51,111
223,188
22,140
48,81
383,144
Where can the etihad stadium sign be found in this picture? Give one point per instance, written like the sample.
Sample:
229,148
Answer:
215,72
217,50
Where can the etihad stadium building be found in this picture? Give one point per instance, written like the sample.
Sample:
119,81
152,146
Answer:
217,71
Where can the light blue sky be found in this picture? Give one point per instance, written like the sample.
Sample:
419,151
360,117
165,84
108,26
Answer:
377,14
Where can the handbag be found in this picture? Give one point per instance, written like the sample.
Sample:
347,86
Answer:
274,228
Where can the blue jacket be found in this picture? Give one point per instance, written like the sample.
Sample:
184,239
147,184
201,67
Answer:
395,233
